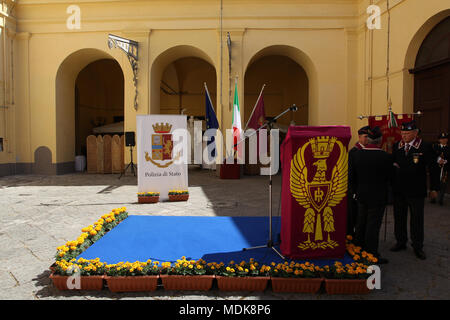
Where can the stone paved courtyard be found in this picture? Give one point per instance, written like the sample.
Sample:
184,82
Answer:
40,213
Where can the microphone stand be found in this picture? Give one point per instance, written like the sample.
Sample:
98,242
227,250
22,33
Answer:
270,244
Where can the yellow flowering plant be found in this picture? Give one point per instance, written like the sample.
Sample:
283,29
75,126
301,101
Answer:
358,254
295,270
90,235
82,266
148,194
354,270
136,268
178,192
243,269
186,267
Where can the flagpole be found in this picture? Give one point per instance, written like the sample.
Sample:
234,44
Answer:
259,97
418,113
207,92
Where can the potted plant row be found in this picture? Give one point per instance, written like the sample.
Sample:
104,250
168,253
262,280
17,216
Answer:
350,278
79,275
148,197
296,277
69,273
134,277
346,279
245,276
89,271
178,195
187,275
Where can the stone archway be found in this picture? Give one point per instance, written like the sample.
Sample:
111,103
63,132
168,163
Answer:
66,78
430,76
411,55
164,60
297,65
182,87
286,83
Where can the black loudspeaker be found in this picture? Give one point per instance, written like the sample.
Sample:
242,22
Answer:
129,139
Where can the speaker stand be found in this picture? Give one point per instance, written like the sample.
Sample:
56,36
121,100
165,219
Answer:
131,164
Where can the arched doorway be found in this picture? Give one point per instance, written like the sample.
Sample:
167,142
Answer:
432,81
99,101
182,87
84,92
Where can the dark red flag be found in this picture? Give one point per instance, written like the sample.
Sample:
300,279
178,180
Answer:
390,135
259,116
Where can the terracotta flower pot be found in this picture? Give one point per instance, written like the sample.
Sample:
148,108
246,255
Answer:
178,197
89,283
147,199
242,283
176,282
346,286
306,285
132,283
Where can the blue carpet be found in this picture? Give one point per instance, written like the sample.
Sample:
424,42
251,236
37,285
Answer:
214,239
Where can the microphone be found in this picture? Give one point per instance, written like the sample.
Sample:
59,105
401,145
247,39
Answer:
293,108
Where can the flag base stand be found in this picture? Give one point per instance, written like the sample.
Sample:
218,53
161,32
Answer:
230,171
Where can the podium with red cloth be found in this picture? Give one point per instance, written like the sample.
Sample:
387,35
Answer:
314,164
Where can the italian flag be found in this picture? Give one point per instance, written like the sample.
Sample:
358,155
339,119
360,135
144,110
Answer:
392,122
236,124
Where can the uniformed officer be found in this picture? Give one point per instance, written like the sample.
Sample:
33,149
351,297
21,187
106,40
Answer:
370,170
411,158
352,205
439,173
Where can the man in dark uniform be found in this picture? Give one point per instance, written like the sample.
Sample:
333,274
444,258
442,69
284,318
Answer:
439,173
352,205
411,158
369,172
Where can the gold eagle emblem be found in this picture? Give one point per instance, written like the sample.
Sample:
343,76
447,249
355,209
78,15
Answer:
319,193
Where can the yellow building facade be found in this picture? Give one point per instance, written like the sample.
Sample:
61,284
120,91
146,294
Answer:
60,79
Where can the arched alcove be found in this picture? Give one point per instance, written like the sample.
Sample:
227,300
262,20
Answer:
65,93
286,83
182,87
166,62
295,64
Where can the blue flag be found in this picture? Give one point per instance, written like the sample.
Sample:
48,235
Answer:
211,122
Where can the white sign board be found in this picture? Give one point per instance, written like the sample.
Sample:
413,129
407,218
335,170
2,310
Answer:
162,153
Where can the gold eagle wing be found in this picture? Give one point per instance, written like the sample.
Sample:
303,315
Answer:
299,178
339,178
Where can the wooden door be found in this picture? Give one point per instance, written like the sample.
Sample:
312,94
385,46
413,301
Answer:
432,97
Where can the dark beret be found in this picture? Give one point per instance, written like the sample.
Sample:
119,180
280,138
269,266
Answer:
374,133
364,130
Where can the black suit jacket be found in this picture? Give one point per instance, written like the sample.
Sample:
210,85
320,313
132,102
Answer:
370,170
443,152
410,177
351,157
